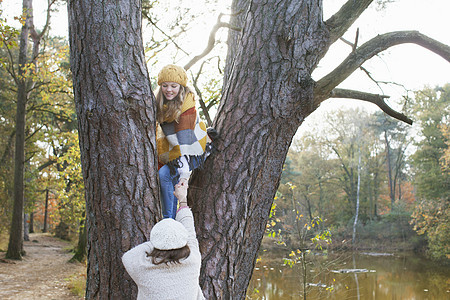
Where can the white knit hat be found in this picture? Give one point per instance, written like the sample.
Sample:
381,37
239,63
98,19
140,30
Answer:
168,234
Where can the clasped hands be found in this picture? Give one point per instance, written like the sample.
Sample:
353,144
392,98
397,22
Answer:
181,191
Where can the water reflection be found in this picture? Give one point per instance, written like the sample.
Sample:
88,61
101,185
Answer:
401,277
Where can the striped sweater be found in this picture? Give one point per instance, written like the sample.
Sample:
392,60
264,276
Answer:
187,137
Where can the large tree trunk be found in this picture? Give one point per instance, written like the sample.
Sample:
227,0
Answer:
116,121
268,95
15,246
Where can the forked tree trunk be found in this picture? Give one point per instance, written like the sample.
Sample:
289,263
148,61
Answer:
268,95
116,121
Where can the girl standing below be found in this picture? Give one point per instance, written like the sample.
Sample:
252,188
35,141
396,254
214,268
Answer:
181,136
168,265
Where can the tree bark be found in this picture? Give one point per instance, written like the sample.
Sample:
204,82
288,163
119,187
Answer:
238,12
268,95
355,222
15,246
45,229
389,167
116,121
80,252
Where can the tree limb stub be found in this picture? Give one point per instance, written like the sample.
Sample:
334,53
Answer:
325,85
378,100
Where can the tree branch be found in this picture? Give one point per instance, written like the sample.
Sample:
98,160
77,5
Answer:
211,41
148,17
46,164
36,37
341,21
200,100
8,147
10,69
376,45
378,100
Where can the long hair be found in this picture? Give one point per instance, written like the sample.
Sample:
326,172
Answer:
168,111
169,256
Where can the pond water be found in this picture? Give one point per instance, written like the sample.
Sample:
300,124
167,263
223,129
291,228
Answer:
380,277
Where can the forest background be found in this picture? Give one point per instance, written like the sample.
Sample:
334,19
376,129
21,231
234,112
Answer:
403,169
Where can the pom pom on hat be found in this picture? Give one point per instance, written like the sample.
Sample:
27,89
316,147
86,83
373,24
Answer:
168,234
173,73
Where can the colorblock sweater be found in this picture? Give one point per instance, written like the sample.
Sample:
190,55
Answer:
167,282
187,137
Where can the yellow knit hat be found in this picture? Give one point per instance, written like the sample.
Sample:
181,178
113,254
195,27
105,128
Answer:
173,73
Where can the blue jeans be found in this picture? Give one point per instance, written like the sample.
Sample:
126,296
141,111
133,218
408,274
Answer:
167,183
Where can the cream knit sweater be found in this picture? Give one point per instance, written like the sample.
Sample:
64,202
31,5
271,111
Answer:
167,282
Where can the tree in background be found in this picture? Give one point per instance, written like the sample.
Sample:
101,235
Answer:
8,42
47,111
72,208
394,135
25,83
322,185
313,173
431,173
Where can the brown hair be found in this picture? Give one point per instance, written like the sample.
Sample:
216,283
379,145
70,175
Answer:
169,256
168,111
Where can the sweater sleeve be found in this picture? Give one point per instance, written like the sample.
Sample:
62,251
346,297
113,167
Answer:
185,217
135,260
184,170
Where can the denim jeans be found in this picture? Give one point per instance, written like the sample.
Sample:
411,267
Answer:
167,183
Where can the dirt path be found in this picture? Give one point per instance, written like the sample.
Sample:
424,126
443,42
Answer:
43,272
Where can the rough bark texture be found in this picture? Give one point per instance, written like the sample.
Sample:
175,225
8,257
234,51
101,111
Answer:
15,246
268,95
116,118
239,10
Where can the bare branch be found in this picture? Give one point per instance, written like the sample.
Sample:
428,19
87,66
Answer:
10,69
148,17
356,40
341,21
347,42
371,48
211,41
378,100
37,37
199,93
46,164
